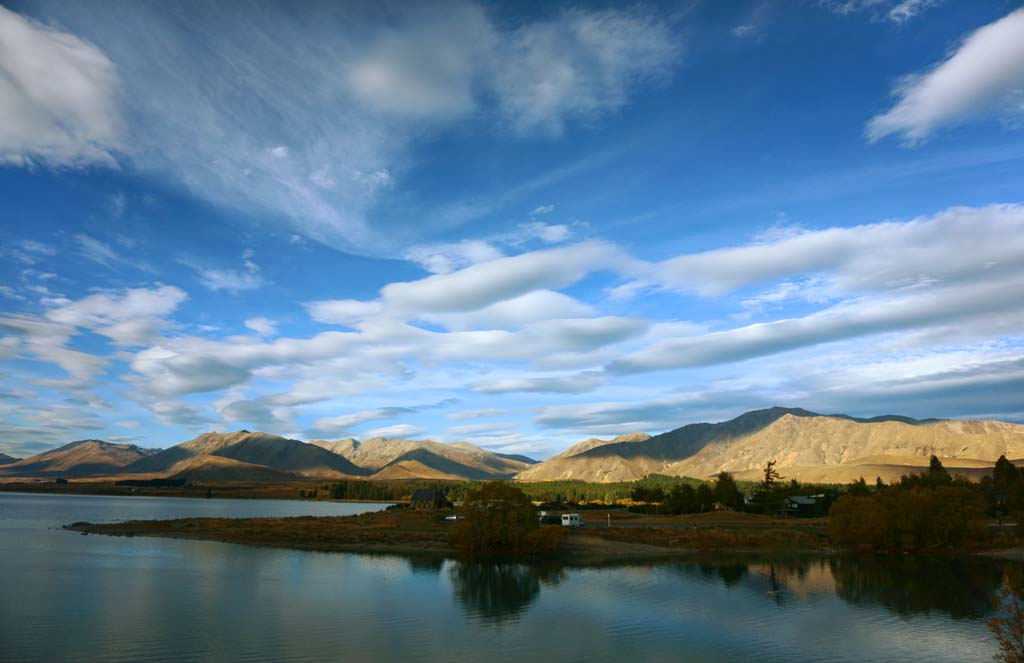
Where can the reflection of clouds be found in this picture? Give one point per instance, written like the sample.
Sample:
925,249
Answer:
129,599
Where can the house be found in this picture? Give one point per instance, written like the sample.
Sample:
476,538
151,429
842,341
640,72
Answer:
428,499
800,505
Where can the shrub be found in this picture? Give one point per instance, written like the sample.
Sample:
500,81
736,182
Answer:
499,519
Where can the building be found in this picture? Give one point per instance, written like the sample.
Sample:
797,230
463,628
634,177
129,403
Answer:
800,505
428,499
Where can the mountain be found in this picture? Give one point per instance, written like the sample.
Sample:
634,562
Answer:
244,456
425,459
806,445
5,459
77,459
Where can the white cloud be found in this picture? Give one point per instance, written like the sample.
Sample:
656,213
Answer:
743,31
542,210
445,258
579,65
58,97
982,76
895,11
396,431
46,341
426,67
850,319
878,256
344,96
97,251
567,384
132,318
533,307
475,414
346,312
229,280
262,326
483,284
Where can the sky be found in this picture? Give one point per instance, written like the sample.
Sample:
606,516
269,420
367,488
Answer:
513,224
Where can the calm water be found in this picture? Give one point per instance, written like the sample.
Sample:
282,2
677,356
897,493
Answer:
64,596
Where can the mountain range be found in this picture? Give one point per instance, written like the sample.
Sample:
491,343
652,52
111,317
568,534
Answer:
805,445
262,457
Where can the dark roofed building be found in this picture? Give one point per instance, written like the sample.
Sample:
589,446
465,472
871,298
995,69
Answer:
428,499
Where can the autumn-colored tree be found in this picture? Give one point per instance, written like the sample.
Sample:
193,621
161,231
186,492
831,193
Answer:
1008,626
500,519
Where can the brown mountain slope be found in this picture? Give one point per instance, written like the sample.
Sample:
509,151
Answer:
594,442
396,458
78,459
275,453
218,468
804,444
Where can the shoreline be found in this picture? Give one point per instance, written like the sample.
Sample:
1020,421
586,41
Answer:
407,532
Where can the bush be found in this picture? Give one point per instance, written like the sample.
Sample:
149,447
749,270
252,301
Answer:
499,519
908,519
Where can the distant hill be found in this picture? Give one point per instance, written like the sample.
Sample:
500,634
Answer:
253,456
5,459
806,446
387,458
81,458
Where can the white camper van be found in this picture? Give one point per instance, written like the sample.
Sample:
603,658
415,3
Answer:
571,520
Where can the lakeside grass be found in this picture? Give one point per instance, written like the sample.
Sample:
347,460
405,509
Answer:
404,531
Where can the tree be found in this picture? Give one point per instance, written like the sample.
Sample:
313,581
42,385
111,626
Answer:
1004,475
771,476
681,499
499,518
1008,627
859,488
937,474
726,491
645,494
705,497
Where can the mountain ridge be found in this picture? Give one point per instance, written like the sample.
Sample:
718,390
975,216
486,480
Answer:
804,442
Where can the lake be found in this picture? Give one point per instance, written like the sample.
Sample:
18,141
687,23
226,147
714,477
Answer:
68,597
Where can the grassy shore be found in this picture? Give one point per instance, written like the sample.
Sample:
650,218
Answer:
404,531
223,489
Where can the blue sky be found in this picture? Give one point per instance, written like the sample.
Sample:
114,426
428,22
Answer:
517,225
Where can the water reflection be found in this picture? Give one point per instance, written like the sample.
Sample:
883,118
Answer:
428,566
962,588
494,591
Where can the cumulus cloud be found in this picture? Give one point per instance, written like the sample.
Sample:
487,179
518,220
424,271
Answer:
58,97
985,75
